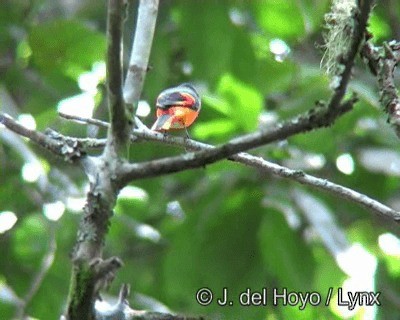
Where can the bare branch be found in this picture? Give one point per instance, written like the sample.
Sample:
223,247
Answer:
119,122
69,152
146,22
78,119
283,172
322,184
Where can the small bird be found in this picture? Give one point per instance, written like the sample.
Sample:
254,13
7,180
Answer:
177,108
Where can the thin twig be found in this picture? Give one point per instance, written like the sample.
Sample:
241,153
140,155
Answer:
78,119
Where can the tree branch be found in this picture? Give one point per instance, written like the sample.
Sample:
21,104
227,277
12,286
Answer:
382,62
316,118
360,19
145,26
271,168
283,172
69,150
90,271
119,122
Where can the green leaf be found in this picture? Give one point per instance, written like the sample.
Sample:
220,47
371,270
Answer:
214,128
245,102
378,26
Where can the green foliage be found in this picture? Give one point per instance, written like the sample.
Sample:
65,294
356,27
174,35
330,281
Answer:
222,226
70,54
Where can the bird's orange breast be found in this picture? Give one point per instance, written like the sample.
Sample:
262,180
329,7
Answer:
180,117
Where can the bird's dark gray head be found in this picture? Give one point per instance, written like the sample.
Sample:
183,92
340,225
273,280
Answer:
174,96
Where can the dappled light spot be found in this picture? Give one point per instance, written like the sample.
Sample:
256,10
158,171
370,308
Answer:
27,121
75,204
237,17
360,266
88,81
81,105
31,171
145,231
187,68
7,220
132,192
53,211
143,109
381,160
345,163
175,210
279,49
389,244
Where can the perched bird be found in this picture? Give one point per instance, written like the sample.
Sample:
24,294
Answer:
177,108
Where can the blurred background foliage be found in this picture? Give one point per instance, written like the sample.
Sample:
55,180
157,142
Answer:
255,63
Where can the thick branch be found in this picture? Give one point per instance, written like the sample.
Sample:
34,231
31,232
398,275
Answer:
88,276
119,122
146,22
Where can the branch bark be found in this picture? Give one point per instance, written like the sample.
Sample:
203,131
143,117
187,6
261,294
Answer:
70,150
90,272
119,129
145,26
